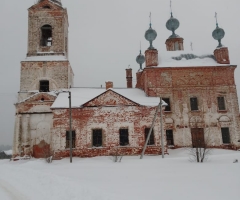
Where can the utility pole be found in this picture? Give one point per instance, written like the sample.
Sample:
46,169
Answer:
70,125
161,127
150,131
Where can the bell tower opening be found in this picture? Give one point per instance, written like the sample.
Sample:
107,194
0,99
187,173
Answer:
44,86
46,39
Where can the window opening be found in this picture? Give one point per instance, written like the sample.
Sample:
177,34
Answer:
225,135
68,139
151,139
46,39
123,134
168,107
46,7
169,134
97,138
194,103
44,86
221,103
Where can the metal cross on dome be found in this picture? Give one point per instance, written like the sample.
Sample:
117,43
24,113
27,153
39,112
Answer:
216,18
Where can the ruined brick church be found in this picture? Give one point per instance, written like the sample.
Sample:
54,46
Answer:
199,92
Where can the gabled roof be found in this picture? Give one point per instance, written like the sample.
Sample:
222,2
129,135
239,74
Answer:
81,96
110,98
33,97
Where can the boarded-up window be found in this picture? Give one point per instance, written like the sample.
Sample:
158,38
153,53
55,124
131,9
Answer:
44,86
225,135
68,139
97,138
151,139
169,134
221,103
194,103
168,107
123,136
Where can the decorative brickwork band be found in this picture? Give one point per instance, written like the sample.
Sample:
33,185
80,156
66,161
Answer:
222,55
109,84
174,44
151,56
129,77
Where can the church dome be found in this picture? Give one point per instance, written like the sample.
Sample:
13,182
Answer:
140,58
218,34
150,35
172,25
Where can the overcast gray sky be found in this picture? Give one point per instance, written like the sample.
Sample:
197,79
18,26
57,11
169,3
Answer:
104,39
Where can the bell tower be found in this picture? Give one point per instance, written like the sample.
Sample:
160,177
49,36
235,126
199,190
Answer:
47,29
44,71
46,67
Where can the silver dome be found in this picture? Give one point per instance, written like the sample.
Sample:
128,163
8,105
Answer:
140,59
172,25
150,35
218,34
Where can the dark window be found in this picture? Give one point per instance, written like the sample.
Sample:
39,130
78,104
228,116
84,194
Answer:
221,103
46,39
225,135
151,139
194,103
46,7
168,107
169,134
44,86
97,138
123,135
68,139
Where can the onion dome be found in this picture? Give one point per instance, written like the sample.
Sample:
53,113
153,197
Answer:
218,34
150,35
172,25
140,59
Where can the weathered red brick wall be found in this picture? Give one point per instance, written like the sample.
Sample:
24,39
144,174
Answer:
205,83
151,57
222,55
59,74
110,120
174,44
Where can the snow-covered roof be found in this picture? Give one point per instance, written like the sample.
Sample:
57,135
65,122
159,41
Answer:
80,96
46,58
186,59
52,93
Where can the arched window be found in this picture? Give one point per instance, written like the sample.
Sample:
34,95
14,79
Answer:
46,39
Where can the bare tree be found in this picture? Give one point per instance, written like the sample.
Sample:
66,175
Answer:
201,146
115,153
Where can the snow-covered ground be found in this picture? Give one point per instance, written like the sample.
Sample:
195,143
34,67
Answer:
99,178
